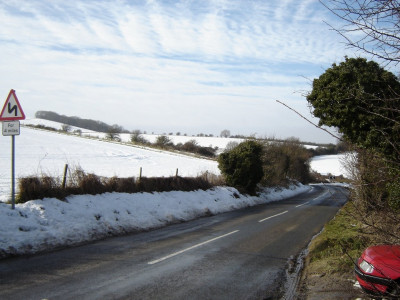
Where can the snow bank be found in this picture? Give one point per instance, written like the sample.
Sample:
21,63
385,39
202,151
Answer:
47,224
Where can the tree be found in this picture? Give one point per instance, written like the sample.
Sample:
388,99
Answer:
137,138
190,146
284,161
225,133
163,141
242,166
230,145
66,128
362,100
113,136
371,26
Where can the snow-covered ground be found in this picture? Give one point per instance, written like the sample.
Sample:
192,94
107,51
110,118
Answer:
329,165
213,142
43,152
45,224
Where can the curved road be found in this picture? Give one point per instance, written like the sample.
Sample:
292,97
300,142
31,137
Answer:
237,255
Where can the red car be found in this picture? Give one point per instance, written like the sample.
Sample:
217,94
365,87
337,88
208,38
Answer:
378,270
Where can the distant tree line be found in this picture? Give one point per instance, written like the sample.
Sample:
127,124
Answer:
164,142
81,123
330,149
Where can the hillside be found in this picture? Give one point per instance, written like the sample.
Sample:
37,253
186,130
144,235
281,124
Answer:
44,152
78,122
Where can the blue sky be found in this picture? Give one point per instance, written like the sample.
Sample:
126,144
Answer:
169,66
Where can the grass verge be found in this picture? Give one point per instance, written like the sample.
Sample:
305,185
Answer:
340,242
329,265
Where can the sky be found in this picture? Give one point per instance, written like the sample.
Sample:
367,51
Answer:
171,66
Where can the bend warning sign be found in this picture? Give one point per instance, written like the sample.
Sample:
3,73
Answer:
12,110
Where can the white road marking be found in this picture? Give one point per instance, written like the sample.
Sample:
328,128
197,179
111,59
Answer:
273,216
302,204
321,196
190,248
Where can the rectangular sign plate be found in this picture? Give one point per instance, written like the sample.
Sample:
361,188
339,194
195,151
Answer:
10,128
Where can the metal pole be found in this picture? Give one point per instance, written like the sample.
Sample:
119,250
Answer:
13,171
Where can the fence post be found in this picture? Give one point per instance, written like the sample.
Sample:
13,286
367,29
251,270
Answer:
65,176
140,174
176,174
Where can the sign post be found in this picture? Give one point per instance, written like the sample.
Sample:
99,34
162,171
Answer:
10,115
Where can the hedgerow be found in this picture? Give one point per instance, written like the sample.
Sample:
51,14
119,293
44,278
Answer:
80,183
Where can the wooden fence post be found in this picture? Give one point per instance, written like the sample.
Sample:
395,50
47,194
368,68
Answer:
64,182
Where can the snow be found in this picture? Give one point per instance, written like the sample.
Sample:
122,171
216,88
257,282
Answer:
43,152
47,224
329,165
203,141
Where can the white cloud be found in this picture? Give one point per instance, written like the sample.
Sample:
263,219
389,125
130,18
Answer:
214,60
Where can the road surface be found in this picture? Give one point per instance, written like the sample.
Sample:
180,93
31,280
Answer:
242,254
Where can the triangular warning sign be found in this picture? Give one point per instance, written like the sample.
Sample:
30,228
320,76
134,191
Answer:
12,110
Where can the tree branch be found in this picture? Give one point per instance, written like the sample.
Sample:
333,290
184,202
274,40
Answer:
319,127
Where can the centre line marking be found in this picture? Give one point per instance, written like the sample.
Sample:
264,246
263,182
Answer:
273,216
303,204
190,248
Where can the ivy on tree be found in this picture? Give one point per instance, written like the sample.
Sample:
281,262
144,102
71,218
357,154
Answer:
362,100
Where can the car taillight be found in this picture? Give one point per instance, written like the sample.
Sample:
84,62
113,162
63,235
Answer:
366,267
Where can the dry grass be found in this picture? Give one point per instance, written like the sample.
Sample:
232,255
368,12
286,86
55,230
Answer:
79,183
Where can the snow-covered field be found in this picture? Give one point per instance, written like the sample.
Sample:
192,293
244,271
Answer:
329,165
43,152
213,142
44,224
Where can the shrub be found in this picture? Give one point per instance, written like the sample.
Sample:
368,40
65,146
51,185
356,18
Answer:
137,138
206,151
91,184
230,145
190,146
31,188
285,160
242,166
193,147
163,141
38,188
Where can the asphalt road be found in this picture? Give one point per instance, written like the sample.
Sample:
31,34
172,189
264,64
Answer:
237,255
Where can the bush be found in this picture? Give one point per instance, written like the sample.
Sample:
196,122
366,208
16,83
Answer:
163,142
242,166
38,188
193,147
285,160
137,138
190,146
80,183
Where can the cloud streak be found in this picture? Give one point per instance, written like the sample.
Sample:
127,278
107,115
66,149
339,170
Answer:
86,57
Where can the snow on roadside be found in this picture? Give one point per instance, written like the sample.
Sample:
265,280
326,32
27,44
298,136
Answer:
42,225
